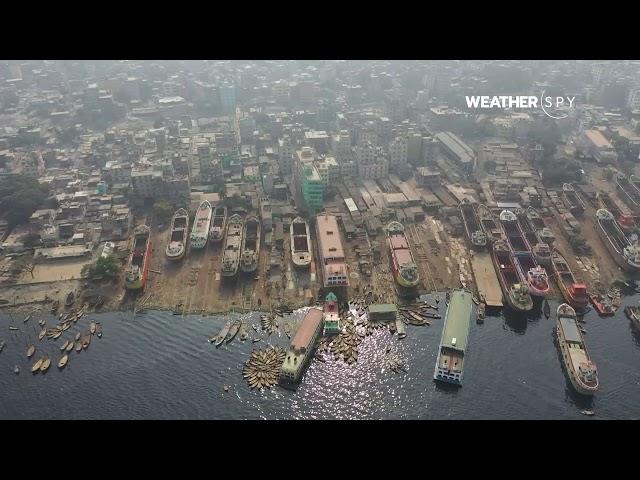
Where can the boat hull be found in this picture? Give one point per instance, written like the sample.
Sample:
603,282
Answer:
140,281
250,245
200,231
232,247
506,286
613,251
300,243
218,224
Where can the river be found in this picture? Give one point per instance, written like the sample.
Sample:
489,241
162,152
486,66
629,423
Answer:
160,366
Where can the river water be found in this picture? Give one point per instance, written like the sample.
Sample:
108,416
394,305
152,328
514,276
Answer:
160,366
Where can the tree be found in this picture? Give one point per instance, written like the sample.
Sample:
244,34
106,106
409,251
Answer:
162,210
103,267
29,240
20,196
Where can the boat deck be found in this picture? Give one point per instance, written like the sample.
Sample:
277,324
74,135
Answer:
486,279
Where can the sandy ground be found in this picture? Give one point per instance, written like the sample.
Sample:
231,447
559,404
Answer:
54,271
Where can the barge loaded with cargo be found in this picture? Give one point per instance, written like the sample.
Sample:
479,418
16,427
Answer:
200,231
574,292
301,349
232,244
455,335
476,236
137,270
530,273
403,267
300,242
582,372
489,224
625,254
178,235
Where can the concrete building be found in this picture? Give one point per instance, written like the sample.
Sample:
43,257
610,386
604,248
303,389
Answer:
309,183
427,178
329,170
398,151
457,150
227,92
287,149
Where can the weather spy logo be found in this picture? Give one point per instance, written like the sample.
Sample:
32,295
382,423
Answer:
554,107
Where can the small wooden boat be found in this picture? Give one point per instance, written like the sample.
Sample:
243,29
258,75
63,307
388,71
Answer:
64,347
233,331
79,314
70,346
78,347
36,366
86,341
57,335
13,328
71,298
92,328
223,333
255,340
42,322
546,309
61,315
45,365
66,326
42,333
633,314
27,318
63,361
75,319
588,413
55,306
16,370
78,335
99,329
30,351
2,343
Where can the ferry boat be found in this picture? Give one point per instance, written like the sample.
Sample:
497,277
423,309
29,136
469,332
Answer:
582,372
178,235
300,242
139,259
625,222
515,237
301,349
514,290
331,315
476,236
403,267
232,244
489,224
455,335
200,231
218,224
250,245
625,254
573,201
629,194
574,292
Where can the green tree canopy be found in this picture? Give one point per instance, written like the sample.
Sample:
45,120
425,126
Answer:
162,210
105,267
20,196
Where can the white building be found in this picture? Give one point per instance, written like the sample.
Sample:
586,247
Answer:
398,151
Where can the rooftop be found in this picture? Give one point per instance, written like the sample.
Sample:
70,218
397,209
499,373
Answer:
456,330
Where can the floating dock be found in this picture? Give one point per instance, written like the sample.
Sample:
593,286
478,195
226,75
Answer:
486,279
